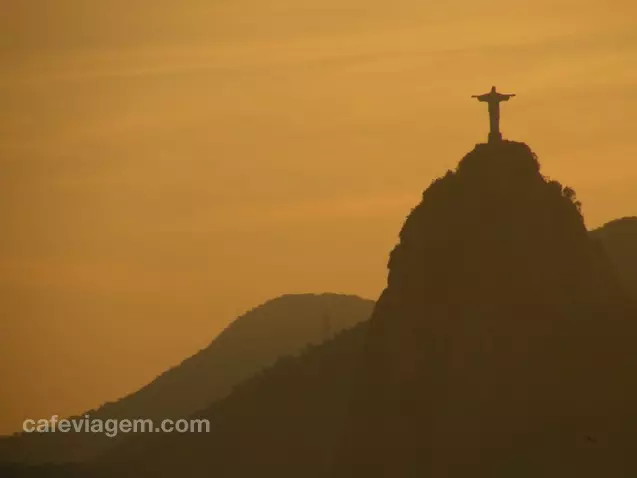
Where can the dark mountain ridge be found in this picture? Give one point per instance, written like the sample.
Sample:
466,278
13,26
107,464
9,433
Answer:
252,342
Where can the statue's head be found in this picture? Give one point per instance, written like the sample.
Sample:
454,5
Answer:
493,89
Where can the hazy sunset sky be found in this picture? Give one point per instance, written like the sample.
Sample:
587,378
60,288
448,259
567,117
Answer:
167,165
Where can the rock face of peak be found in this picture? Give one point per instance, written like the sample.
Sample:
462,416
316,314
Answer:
500,346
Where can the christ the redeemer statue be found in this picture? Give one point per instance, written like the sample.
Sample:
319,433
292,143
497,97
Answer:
493,99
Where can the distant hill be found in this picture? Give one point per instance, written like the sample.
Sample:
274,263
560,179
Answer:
619,238
252,342
502,346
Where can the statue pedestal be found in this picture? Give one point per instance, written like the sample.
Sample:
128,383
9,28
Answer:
495,137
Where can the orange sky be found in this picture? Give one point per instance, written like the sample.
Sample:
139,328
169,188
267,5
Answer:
165,166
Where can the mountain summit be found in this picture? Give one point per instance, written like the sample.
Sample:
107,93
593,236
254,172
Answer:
502,343
496,230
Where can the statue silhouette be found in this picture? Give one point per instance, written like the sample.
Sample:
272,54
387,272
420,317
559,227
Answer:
493,99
